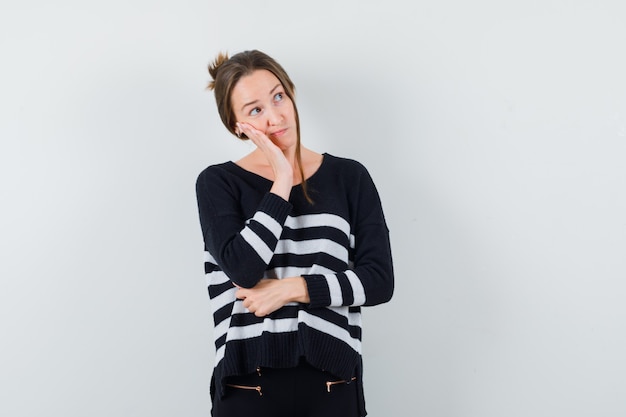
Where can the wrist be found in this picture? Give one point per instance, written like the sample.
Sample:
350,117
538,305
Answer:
298,290
282,188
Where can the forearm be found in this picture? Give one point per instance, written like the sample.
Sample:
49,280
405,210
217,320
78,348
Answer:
369,281
270,295
243,248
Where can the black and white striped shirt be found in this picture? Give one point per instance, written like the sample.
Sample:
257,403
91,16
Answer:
339,245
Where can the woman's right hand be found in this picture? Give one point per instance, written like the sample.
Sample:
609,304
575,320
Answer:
268,295
283,170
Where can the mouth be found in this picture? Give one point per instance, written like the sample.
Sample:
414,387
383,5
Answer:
278,133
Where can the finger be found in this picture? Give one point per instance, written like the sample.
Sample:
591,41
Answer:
251,307
256,136
244,128
248,129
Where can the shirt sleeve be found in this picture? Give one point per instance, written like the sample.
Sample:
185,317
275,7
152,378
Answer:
242,248
370,280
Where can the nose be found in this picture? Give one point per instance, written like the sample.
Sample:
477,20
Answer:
273,116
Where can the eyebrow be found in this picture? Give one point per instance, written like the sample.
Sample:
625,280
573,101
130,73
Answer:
254,101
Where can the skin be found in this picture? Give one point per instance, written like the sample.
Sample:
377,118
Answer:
266,115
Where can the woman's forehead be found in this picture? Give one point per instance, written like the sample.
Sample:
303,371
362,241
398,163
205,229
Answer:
254,86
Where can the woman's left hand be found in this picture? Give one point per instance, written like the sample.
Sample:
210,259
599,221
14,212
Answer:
271,294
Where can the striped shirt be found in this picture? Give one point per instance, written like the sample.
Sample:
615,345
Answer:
339,245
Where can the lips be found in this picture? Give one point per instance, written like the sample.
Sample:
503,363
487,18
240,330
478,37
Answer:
278,133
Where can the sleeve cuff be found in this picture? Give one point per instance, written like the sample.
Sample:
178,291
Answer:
276,207
319,295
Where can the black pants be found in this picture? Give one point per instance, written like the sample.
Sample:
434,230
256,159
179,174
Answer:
303,391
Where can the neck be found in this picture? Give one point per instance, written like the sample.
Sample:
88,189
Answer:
290,154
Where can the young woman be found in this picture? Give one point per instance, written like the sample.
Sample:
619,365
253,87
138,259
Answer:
295,244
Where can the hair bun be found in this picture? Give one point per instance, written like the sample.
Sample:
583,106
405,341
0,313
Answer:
215,66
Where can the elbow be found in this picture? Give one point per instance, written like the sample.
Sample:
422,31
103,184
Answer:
384,292
243,273
388,286
244,284
242,279
387,293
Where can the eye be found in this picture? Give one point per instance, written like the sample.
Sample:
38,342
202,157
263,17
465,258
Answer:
279,97
255,111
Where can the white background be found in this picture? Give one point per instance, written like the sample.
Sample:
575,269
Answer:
494,130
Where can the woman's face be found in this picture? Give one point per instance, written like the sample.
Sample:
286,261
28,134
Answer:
259,99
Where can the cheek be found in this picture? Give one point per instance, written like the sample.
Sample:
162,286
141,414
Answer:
292,113
255,125
242,118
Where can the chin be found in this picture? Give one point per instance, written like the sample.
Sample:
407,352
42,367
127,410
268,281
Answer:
285,143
